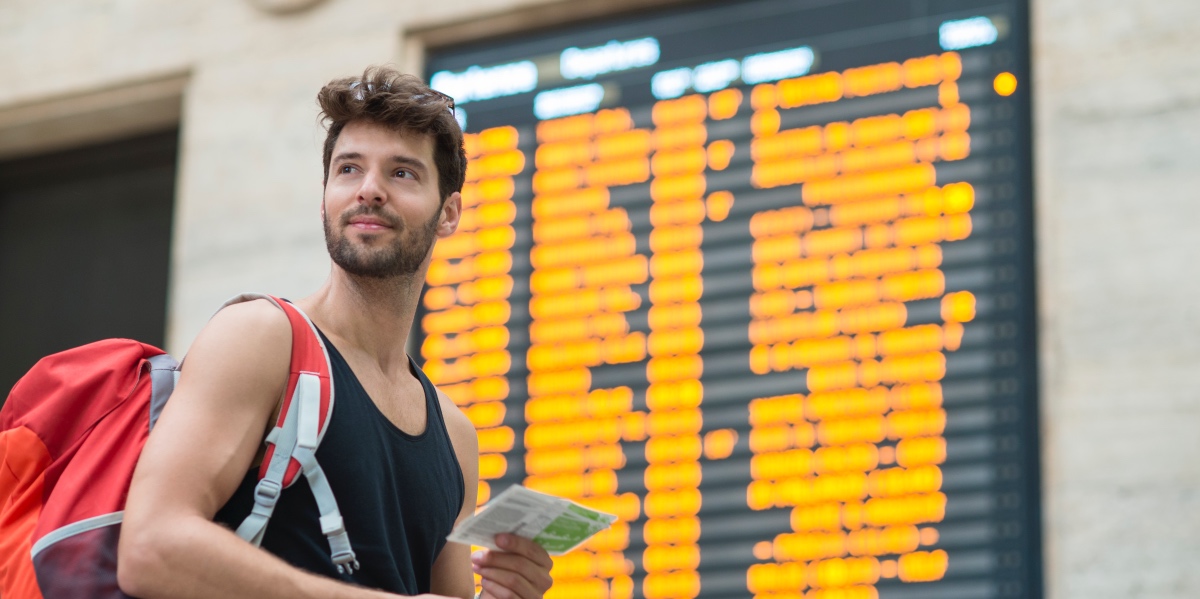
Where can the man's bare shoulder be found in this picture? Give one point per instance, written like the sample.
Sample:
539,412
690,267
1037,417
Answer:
457,423
254,319
466,446
231,382
245,342
253,325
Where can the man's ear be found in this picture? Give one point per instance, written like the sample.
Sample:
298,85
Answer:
451,213
322,202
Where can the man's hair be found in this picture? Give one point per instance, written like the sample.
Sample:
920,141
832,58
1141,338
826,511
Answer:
402,102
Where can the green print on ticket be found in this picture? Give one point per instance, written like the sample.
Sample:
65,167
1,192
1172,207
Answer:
564,533
594,516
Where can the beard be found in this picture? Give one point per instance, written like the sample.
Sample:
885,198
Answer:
402,257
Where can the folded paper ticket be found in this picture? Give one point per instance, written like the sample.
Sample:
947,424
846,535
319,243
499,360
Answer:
558,525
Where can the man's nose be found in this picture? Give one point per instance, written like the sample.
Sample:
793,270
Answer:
371,190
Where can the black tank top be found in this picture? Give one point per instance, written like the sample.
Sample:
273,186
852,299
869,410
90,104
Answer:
399,494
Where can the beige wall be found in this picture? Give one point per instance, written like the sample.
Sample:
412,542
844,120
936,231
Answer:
245,80
1117,113
1117,110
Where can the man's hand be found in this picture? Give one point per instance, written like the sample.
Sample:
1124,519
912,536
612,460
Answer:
520,571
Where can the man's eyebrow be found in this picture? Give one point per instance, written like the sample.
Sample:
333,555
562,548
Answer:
409,161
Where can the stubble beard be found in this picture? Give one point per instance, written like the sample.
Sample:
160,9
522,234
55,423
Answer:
403,257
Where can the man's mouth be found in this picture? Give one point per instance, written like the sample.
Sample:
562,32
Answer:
364,222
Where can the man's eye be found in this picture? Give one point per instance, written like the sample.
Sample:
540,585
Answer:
345,169
404,174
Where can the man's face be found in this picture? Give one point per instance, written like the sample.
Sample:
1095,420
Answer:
381,208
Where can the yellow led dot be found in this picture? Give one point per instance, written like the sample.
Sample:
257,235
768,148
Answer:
724,104
948,93
953,336
804,299
718,204
484,494
929,536
958,307
887,568
923,566
622,587
1005,84
719,154
764,96
719,444
765,122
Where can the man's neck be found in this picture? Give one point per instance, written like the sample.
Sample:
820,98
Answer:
368,316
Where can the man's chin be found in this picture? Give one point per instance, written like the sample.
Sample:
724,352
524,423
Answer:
372,269
376,267
358,256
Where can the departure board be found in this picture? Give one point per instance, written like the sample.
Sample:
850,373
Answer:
756,277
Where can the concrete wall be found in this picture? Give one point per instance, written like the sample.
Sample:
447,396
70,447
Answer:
1117,109
1117,113
249,183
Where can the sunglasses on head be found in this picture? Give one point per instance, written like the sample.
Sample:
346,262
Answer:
370,89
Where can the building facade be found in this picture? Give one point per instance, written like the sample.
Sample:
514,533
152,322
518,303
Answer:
228,88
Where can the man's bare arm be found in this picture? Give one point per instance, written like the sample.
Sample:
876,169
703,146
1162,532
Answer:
520,571
200,450
452,568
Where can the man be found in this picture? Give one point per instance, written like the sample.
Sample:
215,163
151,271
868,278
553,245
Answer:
401,458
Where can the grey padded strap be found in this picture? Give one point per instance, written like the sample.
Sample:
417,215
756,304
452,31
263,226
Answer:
266,492
164,373
247,297
298,438
308,393
332,525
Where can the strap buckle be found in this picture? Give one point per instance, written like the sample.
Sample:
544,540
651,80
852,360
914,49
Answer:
266,493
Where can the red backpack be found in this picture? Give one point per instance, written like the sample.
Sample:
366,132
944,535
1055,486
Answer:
71,432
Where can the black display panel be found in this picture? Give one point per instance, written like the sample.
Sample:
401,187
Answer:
756,277
85,248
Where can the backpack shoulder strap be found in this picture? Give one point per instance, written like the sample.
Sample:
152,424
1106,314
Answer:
291,446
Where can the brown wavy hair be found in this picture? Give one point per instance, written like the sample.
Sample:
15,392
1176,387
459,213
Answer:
403,102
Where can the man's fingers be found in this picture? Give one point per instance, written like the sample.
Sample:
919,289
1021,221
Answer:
506,584
519,570
526,547
535,575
